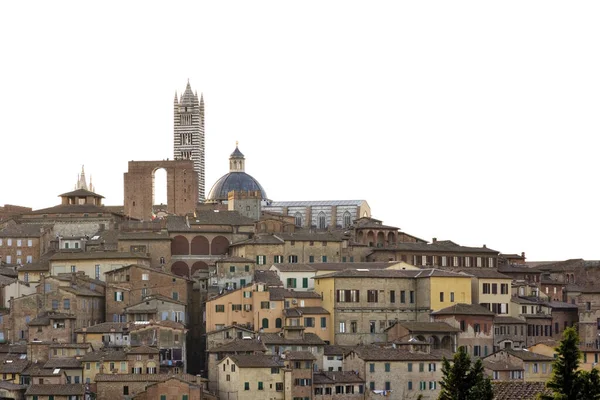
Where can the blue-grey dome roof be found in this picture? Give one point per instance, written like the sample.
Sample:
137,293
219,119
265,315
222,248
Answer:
237,181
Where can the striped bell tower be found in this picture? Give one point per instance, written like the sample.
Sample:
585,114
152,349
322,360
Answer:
188,140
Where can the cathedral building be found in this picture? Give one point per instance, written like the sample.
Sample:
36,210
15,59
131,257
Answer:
188,140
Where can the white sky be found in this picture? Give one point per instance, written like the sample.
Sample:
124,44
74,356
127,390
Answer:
473,121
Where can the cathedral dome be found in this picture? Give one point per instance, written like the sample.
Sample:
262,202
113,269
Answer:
236,180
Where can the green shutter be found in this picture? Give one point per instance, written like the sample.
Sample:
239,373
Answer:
304,282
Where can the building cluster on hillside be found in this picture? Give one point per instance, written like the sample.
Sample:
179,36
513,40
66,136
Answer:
241,297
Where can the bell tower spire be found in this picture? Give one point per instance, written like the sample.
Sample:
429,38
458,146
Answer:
188,138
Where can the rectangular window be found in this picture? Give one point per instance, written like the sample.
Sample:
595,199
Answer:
342,327
219,307
293,259
323,322
260,386
421,367
387,367
261,260
305,283
441,297
291,282
309,322
55,304
232,268
118,296
264,305
504,288
324,259
392,296
486,288
452,297
311,259
246,385
412,297
494,288
410,387
403,296
67,304
372,296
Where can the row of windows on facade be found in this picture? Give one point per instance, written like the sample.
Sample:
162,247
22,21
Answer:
322,220
292,259
451,261
353,296
19,242
28,259
492,288
85,305
339,389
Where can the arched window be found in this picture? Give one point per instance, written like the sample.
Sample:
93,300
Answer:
265,323
278,323
321,220
347,219
298,218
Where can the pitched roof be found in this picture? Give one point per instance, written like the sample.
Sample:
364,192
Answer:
489,273
68,389
143,350
144,236
413,326
106,355
24,231
98,255
299,355
13,366
375,353
147,268
239,345
464,309
526,355
336,377
300,311
63,362
228,327
293,267
393,273
516,390
275,338
279,293
104,327
499,319
269,277
440,246
144,377
256,361
330,350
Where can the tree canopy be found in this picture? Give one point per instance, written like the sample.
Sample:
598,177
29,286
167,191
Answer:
464,380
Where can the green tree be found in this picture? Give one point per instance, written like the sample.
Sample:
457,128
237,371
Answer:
589,385
565,381
463,380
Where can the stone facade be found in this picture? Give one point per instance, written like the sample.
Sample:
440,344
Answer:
182,183
131,284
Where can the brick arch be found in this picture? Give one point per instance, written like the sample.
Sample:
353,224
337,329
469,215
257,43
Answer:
200,246
180,268
391,238
219,245
180,246
199,265
380,238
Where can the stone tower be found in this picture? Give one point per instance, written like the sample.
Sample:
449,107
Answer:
188,140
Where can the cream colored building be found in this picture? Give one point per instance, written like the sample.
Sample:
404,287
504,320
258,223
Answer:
95,264
252,376
256,307
491,289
